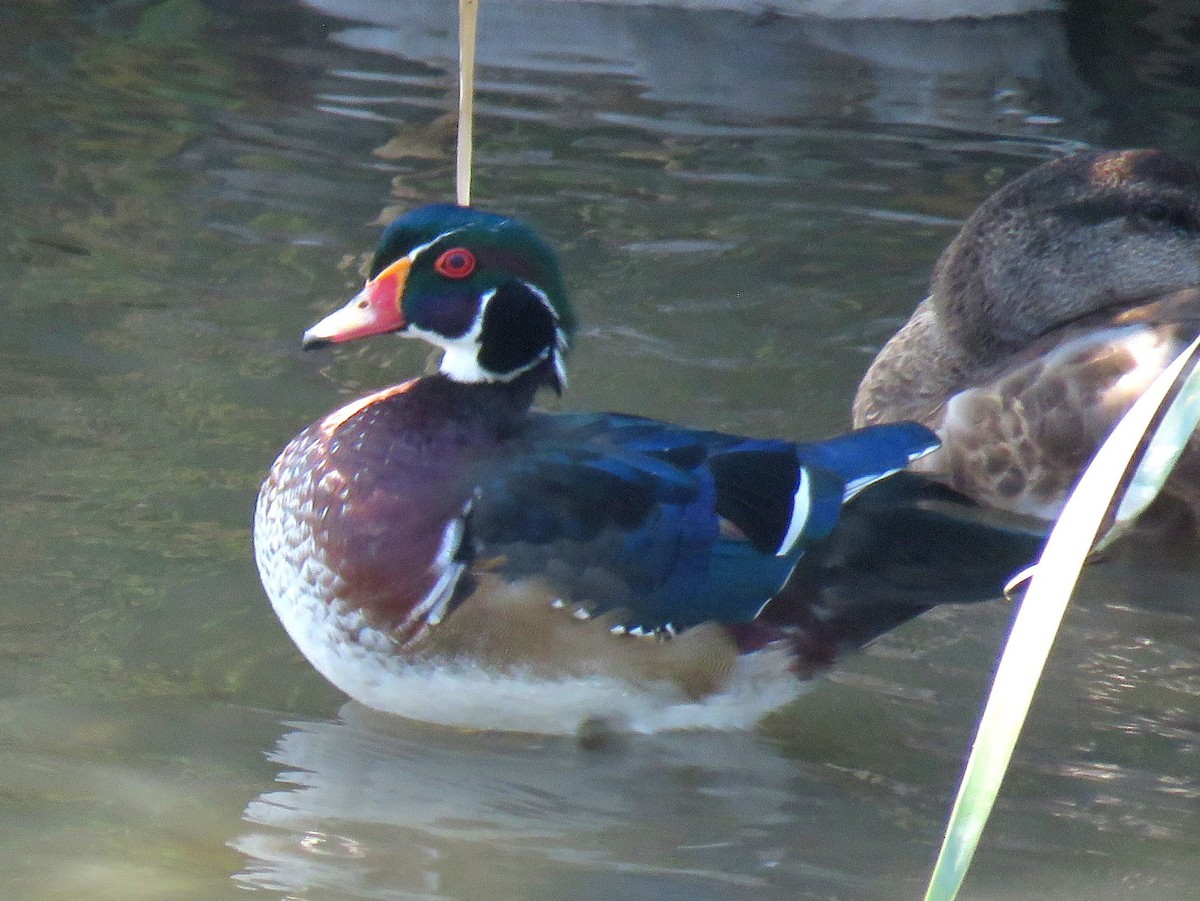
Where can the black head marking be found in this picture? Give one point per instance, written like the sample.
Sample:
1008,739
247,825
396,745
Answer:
519,330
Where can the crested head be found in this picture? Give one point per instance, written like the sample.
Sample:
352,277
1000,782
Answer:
483,287
1098,230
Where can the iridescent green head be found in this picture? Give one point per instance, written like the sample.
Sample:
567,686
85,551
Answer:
484,288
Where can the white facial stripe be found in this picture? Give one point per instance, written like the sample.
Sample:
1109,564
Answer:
460,357
801,504
560,337
560,365
412,255
460,360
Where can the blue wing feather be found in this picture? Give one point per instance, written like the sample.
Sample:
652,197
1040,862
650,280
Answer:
864,456
669,527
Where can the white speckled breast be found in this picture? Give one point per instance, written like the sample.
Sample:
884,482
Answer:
303,588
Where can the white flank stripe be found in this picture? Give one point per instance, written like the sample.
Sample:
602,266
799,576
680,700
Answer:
433,606
801,504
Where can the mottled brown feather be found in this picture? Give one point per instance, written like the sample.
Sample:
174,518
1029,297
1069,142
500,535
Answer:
1060,299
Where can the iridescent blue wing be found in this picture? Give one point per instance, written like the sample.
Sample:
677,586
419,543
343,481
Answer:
663,527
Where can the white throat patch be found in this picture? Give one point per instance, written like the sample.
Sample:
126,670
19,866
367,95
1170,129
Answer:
460,357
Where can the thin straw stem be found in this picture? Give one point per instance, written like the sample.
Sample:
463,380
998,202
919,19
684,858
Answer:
468,17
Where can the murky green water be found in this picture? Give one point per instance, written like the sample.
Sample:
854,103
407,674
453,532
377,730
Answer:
747,205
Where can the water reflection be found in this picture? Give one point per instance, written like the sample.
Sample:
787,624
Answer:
1009,76
377,802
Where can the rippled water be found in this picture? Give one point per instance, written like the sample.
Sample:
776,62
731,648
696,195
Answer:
747,204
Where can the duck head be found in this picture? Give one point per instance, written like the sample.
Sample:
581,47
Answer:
482,287
1096,231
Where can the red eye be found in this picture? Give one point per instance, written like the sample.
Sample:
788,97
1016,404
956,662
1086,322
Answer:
457,262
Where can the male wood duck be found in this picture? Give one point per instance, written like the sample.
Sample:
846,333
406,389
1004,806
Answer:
441,550
1059,301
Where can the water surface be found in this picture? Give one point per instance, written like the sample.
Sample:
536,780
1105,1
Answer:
747,205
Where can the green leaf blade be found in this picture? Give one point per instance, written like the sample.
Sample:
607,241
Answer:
1169,413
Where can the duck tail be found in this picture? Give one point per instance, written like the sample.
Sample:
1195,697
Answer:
901,547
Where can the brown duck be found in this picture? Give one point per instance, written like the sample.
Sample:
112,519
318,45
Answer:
1058,302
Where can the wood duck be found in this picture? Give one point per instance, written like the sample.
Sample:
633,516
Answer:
1059,301
442,550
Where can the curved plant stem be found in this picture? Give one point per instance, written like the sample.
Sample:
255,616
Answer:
1152,434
